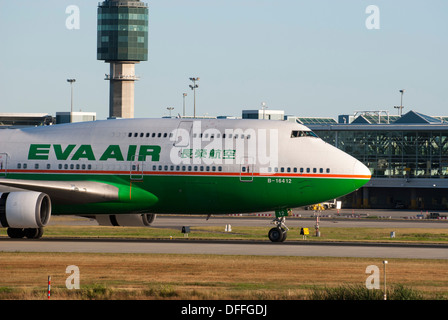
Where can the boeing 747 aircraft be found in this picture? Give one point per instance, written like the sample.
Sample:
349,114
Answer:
125,171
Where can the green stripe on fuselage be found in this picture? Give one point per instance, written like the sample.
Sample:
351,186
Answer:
208,194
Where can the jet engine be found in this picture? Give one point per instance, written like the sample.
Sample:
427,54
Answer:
27,209
126,220
24,213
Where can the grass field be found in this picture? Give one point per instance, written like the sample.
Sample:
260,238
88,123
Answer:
199,277
416,235
162,276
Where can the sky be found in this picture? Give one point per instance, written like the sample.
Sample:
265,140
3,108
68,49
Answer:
314,58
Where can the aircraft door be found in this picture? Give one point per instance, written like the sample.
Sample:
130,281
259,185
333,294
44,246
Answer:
247,170
3,164
136,170
182,134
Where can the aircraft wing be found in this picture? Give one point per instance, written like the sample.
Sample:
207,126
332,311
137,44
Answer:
69,192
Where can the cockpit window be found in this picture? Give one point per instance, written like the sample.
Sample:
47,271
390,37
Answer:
298,134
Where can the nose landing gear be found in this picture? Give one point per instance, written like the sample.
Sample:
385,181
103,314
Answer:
279,232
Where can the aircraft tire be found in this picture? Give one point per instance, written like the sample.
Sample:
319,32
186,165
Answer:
34,233
277,234
15,233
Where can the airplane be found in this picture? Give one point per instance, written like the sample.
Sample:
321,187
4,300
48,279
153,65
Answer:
123,172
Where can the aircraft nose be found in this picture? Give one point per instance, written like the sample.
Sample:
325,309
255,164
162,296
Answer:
361,174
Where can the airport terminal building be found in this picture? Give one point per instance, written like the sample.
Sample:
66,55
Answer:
407,156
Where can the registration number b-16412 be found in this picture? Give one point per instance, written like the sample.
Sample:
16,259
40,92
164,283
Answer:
279,180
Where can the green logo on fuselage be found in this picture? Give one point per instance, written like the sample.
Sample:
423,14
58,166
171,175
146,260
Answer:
85,151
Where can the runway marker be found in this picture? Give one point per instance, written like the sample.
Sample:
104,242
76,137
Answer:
49,287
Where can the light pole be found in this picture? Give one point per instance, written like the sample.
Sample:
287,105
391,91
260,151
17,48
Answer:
184,95
401,103
263,106
170,109
71,81
193,87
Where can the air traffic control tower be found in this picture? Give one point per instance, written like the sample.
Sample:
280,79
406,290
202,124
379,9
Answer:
122,42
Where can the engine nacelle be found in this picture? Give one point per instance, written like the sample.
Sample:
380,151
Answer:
126,220
27,209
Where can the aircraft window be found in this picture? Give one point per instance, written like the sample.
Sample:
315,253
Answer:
328,170
147,134
48,166
275,169
230,136
207,168
269,169
183,168
166,168
159,135
288,170
141,134
60,166
19,166
212,136
177,168
135,134
301,170
171,168
219,168
83,167
298,134
282,169
218,135
206,135
243,169
171,134
236,136
223,135
321,170
154,168
295,169
153,134
195,168
165,135
89,166
189,168
200,135
314,170
201,168
308,170
130,134
72,166
160,168
78,166
248,136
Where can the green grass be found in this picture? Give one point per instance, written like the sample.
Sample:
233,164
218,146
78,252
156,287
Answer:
410,235
360,292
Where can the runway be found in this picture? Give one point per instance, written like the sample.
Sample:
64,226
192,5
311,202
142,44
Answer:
227,248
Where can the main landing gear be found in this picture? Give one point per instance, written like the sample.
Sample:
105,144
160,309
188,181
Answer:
279,232
30,233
